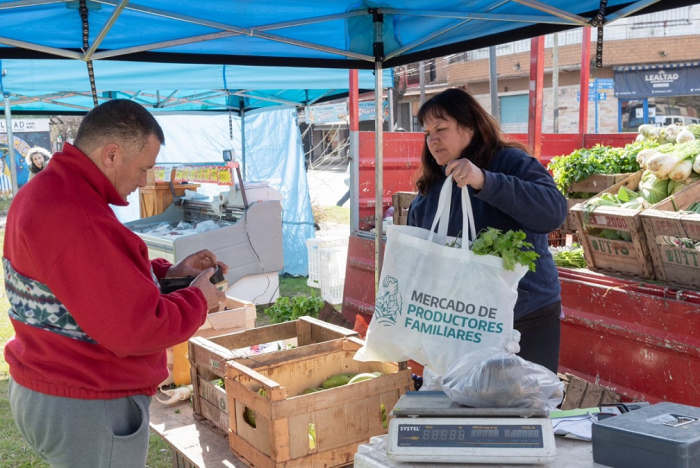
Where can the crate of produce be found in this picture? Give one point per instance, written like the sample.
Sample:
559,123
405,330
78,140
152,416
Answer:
593,184
629,255
401,201
208,356
279,418
673,238
314,246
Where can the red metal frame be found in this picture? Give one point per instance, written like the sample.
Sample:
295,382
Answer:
534,121
585,76
641,339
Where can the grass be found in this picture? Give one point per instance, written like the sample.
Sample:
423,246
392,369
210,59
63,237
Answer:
16,453
331,214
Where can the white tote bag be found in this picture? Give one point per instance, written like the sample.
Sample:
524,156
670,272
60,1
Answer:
437,302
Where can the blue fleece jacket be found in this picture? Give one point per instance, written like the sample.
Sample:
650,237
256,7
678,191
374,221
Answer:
518,193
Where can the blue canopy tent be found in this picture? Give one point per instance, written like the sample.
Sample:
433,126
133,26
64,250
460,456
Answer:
351,34
31,86
63,86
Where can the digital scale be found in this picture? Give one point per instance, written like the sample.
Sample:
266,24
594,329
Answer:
428,427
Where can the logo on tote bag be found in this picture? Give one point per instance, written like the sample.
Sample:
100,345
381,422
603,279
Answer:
388,304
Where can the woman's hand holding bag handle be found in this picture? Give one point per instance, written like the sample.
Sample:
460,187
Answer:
442,215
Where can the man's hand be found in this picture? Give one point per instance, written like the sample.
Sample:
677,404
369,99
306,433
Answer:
196,263
212,294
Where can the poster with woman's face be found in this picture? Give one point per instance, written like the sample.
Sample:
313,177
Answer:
22,145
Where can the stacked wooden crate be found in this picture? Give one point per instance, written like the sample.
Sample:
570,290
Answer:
272,384
667,230
594,184
401,202
208,358
617,256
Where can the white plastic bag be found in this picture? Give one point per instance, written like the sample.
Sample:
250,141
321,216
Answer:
435,303
493,378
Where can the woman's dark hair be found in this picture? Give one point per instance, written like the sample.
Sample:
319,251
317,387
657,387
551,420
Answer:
486,142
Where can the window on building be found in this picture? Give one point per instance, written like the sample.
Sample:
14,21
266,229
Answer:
513,113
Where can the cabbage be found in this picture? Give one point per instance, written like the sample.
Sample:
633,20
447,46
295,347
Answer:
651,189
675,186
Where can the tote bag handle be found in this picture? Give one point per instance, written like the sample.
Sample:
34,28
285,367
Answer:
442,216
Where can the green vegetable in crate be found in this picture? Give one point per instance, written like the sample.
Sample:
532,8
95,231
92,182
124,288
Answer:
249,414
312,390
651,189
312,436
570,258
684,136
385,421
362,378
584,163
337,380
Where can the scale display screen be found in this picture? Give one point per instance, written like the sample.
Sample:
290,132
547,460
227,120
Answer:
461,435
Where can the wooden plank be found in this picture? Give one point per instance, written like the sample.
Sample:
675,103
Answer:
574,393
596,183
256,336
290,355
214,415
191,442
592,397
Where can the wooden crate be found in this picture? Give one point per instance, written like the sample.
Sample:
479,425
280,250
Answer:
592,184
680,266
344,417
401,202
580,393
237,315
618,256
208,357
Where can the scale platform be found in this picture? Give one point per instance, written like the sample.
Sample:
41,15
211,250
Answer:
428,427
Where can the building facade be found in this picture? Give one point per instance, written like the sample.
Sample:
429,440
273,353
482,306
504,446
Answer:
662,46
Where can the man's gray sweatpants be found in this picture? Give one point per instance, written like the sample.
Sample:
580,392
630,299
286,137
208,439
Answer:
72,433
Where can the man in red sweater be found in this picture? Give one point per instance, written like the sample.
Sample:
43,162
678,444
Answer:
91,326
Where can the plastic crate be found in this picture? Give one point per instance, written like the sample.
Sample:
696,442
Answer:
314,247
332,280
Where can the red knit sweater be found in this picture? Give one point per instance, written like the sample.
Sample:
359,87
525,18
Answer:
61,232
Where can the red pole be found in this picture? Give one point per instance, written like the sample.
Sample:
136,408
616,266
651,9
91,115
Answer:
354,106
534,122
585,77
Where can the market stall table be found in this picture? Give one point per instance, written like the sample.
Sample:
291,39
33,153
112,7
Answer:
192,444
195,445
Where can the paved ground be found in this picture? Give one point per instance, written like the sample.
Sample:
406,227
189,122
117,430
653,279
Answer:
326,182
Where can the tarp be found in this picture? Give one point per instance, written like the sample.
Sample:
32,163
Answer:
330,33
274,154
63,85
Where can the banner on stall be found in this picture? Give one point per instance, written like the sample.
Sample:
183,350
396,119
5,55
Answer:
203,174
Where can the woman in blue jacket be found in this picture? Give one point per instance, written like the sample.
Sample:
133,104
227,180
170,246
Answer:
509,190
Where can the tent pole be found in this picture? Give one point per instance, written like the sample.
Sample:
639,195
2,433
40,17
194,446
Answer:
243,142
378,20
10,144
378,172
354,152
